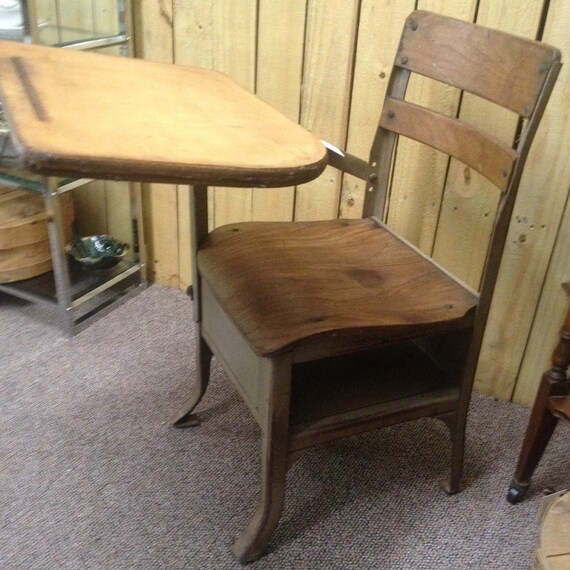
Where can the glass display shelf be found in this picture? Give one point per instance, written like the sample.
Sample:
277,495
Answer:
36,184
79,295
92,293
84,284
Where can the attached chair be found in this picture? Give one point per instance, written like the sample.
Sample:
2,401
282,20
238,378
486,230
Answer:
332,328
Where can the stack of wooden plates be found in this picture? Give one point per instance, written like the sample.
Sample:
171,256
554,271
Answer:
24,243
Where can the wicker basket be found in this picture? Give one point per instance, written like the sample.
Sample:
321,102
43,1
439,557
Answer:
24,242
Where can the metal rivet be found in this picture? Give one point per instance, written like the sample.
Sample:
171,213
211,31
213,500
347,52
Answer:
391,114
505,173
448,306
372,176
526,110
543,67
414,25
404,60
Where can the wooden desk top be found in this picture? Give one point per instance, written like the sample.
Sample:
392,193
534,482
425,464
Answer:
83,114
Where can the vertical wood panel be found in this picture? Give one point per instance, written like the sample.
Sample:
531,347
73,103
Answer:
234,35
281,31
75,19
470,202
533,229
549,316
106,22
117,195
192,46
329,49
217,35
76,22
153,41
45,12
220,35
420,172
380,26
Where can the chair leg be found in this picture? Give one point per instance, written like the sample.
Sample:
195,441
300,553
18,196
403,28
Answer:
253,542
541,425
184,417
540,428
456,422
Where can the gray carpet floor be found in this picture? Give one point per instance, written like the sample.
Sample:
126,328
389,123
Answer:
93,476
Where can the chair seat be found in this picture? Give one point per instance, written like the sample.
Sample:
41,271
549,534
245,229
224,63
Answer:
284,283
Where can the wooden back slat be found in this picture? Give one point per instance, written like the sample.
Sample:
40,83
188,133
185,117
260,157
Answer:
442,48
486,155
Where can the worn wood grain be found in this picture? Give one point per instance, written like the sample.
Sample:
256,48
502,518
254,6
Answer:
553,549
116,194
221,36
356,278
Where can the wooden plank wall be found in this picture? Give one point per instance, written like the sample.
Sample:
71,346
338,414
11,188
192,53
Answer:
325,63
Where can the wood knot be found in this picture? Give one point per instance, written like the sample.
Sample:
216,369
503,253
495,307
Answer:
319,319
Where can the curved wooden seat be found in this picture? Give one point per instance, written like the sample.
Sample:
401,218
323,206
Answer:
283,283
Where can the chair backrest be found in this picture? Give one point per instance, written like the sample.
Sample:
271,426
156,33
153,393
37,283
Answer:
513,72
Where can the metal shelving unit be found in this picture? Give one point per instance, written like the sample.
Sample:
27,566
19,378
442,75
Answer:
78,295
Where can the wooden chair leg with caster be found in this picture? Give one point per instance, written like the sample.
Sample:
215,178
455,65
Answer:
552,404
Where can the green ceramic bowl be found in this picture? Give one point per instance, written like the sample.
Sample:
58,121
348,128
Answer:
97,252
